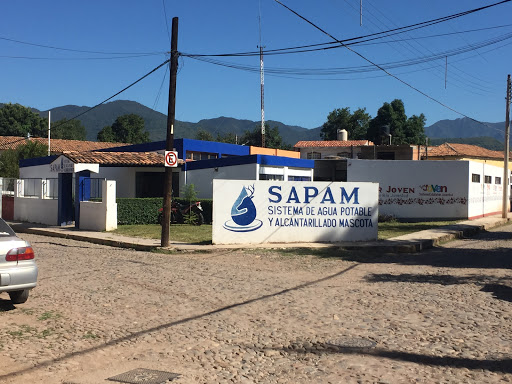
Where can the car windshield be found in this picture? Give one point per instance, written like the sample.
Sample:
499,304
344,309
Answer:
5,230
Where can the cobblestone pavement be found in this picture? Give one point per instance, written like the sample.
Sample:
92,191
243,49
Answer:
264,316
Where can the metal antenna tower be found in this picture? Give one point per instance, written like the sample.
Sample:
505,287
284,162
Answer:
262,83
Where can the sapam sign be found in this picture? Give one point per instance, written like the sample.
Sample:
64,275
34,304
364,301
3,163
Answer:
254,212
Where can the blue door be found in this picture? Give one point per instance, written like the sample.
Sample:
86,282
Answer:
65,199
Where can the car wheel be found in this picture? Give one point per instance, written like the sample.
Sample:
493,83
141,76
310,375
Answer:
19,297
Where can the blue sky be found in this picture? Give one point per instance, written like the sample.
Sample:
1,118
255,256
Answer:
43,78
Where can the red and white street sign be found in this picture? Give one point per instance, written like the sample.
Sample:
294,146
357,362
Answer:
171,158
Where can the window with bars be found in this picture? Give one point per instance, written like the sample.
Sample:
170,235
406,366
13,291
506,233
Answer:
192,155
271,177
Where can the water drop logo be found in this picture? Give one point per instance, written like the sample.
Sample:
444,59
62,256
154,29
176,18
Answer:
243,213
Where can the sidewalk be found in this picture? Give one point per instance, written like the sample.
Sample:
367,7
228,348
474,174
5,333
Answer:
413,242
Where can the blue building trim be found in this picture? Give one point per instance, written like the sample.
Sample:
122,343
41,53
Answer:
221,149
37,161
250,159
184,145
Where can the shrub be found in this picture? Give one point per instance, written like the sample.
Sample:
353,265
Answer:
138,211
145,210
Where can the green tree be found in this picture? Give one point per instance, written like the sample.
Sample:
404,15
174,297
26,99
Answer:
415,129
126,129
17,120
204,135
356,124
9,164
9,160
68,130
272,138
229,138
403,130
106,135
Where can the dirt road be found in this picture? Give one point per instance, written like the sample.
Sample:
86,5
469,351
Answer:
261,316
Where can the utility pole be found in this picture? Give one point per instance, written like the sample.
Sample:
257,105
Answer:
169,146
506,172
262,99
49,120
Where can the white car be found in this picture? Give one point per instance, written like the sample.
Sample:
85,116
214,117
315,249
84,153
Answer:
18,269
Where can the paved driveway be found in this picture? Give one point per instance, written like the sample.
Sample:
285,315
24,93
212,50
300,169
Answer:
264,316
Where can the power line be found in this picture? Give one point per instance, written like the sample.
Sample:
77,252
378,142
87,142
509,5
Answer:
77,58
78,50
118,93
373,36
435,67
377,65
157,99
358,69
166,23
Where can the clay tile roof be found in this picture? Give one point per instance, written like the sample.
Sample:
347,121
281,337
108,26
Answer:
118,158
57,145
331,143
463,150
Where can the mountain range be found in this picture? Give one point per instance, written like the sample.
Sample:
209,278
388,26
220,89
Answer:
156,122
459,130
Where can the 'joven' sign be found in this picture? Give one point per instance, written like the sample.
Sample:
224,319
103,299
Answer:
247,211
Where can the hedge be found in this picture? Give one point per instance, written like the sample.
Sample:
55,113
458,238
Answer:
145,210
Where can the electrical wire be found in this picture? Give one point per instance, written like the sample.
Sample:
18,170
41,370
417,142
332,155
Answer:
358,69
320,47
378,66
416,47
78,50
166,23
157,99
118,93
75,58
373,36
438,35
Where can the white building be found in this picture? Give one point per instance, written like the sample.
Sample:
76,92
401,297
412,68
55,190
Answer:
411,189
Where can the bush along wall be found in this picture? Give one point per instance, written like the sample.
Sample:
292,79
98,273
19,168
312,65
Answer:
145,210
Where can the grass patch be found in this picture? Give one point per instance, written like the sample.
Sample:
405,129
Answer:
391,229
24,330
27,311
46,332
202,234
48,315
183,233
90,335
15,333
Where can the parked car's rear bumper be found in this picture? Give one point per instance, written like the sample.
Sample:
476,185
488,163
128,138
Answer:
14,279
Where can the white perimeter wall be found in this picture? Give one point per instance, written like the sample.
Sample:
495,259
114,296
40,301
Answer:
100,216
416,189
34,210
485,198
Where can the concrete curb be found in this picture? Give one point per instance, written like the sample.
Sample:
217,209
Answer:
94,240
411,243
